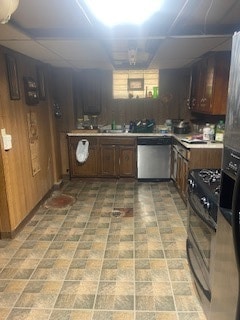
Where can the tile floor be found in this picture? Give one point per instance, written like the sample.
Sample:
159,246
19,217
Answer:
84,263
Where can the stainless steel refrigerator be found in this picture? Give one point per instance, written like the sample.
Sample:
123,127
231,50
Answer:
225,303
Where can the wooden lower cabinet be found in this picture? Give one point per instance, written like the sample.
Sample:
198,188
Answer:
182,175
180,168
127,161
113,157
88,168
184,160
108,160
118,157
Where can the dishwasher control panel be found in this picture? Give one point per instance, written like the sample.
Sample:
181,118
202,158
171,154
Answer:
154,141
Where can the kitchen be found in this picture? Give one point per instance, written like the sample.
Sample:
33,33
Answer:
22,173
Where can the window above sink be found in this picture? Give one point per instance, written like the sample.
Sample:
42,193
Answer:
135,84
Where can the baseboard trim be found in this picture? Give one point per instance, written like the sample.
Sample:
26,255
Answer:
12,234
58,185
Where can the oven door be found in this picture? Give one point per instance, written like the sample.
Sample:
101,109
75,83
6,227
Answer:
200,247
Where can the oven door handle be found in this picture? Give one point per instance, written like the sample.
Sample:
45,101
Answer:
207,293
209,223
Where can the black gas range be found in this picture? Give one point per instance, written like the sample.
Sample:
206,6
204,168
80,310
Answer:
203,199
203,192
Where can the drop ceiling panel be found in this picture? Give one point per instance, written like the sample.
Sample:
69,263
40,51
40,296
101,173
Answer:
9,32
225,46
217,11
166,63
76,50
188,48
90,64
230,16
31,49
49,14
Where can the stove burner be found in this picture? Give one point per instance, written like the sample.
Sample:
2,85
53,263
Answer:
210,176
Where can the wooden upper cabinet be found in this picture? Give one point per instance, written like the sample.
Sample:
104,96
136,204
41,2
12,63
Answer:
92,92
88,91
210,84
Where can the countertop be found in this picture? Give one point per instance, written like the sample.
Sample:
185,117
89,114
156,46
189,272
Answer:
178,137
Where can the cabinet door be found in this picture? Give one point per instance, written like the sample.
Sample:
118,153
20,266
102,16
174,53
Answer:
174,157
127,161
108,161
206,102
210,84
194,87
87,92
218,104
184,173
90,167
179,175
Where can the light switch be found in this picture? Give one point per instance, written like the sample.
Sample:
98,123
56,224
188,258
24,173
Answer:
7,140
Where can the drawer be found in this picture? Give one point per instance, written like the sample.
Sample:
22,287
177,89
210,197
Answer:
185,153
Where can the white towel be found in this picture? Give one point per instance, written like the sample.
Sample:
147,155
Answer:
82,150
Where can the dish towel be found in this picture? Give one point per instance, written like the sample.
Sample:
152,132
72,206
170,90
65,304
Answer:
82,150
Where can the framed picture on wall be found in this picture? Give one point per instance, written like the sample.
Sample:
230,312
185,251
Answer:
41,83
136,84
12,77
31,91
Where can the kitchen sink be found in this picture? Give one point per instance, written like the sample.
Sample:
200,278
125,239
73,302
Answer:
114,131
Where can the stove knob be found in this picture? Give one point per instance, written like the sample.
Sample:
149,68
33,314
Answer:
205,202
207,205
191,183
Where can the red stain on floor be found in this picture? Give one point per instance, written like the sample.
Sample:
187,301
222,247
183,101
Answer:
59,201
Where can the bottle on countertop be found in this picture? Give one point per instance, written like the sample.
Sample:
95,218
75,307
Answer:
212,132
113,125
207,132
219,131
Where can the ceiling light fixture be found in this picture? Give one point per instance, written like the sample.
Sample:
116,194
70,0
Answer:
112,12
7,7
132,56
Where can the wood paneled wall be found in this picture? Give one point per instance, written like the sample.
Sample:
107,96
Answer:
21,191
171,103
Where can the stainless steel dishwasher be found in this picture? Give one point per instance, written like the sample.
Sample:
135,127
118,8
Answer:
153,158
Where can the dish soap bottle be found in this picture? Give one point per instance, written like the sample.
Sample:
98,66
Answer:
219,131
